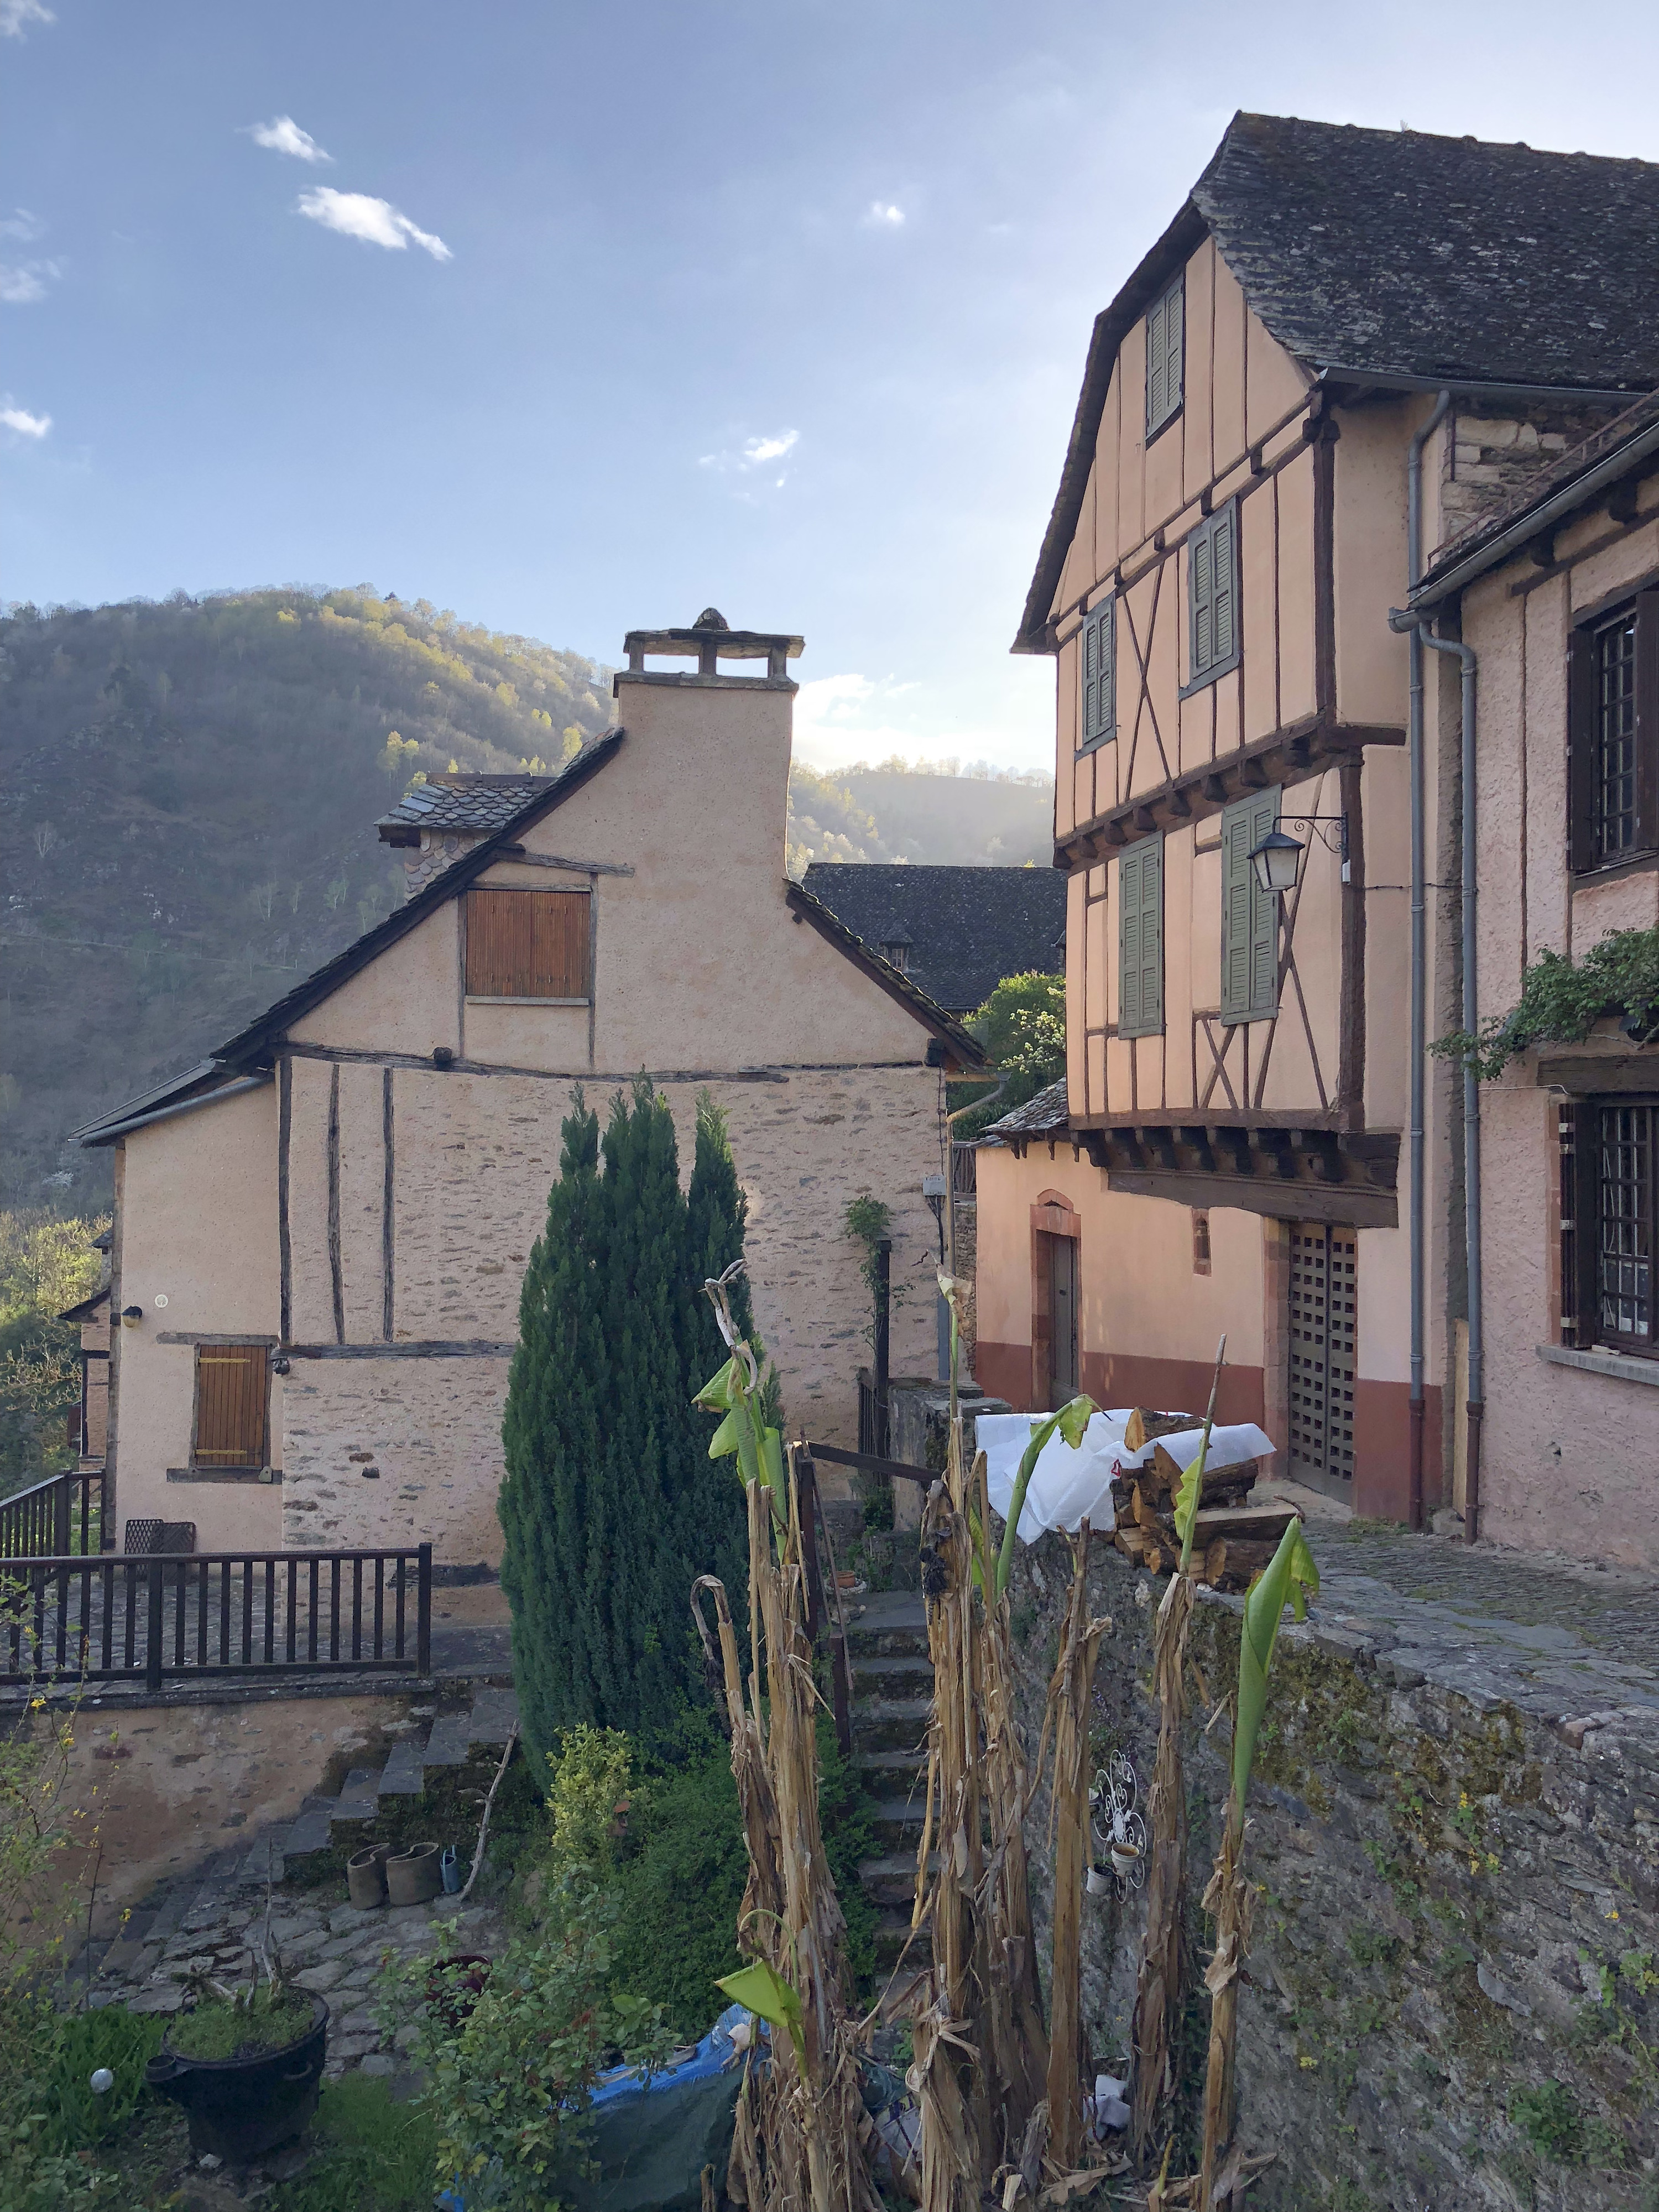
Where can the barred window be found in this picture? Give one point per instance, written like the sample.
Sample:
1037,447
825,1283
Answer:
1609,1223
1613,736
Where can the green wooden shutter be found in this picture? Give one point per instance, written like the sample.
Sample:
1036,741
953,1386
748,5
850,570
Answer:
1165,321
1141,940
1249,915
1099,662
1212,590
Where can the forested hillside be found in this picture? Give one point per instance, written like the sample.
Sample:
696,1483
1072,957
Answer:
189,793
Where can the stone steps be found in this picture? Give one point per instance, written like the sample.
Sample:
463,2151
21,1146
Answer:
892,1705
325,1822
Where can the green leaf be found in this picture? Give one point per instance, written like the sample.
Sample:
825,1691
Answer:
717,1395
761,1988
1070,1421
724,1442
1287,1579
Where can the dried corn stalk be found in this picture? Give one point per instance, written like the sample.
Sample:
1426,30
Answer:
1157,1995
801,2140
1067,1722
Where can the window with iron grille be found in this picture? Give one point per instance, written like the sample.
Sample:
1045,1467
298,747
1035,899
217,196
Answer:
1098,663
1166,322
1609,1223
1613,736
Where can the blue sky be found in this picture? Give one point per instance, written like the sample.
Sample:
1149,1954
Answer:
601,313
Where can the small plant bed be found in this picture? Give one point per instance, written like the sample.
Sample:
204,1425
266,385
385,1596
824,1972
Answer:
241,2026
1561,1001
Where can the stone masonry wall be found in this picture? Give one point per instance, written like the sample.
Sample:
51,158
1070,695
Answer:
1453,1988
379,1451
1493,460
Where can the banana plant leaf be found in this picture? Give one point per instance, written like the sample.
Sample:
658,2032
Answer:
761,1988
1290,1578
1070,1421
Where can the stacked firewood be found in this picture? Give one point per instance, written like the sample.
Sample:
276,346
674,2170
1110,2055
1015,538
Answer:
1232,1539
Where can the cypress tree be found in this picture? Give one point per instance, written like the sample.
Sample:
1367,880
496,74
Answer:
610,1506
558,1388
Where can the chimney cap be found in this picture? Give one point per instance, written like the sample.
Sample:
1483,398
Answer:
708,641
711,618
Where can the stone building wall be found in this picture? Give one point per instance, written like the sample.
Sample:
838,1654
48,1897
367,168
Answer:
1492,460
1448,1885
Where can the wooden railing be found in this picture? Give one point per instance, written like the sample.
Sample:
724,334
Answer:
53,1519
158,1617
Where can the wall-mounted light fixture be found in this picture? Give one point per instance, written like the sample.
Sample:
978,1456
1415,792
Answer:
131,1316
1277,859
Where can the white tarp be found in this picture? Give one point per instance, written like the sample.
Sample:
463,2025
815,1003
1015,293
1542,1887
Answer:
1068,1488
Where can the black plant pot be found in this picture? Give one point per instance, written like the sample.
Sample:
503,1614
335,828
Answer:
240,2108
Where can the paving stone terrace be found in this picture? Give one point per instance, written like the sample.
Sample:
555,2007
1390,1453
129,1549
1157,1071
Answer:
213,1922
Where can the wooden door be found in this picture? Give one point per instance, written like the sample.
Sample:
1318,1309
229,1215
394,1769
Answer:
1324,1295
1062,1320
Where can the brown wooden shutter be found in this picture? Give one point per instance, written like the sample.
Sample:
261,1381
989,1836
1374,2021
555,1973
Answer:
1581,750
526,945
231,1396
1647,721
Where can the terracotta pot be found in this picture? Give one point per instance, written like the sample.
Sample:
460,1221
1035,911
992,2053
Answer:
415,1875
366,1875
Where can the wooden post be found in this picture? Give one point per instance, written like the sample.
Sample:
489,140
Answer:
883,1313
840,1692
152,1641
423,1615
807,1481
60,1516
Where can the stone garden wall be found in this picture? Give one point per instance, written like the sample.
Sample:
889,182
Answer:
1452,1995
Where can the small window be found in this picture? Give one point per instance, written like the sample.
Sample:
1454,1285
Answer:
528,944
231,1394
1249,915
1141,940
1609,1224
1200,1241
1613,713
1165,354
1098,664
1212,597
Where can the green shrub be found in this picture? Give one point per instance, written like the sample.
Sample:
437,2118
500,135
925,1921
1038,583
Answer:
1550,2119
257,2017
680,1889
113,2036
1561,1001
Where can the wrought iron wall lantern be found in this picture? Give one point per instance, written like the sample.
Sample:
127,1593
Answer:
1278,858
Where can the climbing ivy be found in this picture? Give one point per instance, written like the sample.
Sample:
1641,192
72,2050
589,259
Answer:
1562,1000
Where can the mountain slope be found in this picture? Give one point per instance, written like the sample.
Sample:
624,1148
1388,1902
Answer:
187,811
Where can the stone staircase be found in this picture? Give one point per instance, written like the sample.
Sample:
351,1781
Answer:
410,1765
211,1897
892,1696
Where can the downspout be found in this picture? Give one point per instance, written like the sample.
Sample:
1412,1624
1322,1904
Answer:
1476,1407
1420,949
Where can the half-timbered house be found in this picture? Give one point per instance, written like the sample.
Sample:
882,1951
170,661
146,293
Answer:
1343,351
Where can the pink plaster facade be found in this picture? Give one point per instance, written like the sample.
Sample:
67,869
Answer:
368,1212
1569,1450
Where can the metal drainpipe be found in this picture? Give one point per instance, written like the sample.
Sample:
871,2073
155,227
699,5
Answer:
1420,949
1476,1407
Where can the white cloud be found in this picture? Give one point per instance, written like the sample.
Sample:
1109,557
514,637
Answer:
283,135
15,16
22,225
377,222
753,453
25,424
882,214
23,282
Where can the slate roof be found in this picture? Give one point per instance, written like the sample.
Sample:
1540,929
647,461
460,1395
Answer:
1038,1117
483,803
967,927
1404,256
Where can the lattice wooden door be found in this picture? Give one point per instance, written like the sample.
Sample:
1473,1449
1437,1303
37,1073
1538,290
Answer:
1324,1344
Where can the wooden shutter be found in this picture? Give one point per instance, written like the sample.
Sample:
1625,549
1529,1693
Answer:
1212,590
1165,321
527,944
1249,915
231,1394
1099,665
1141,940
